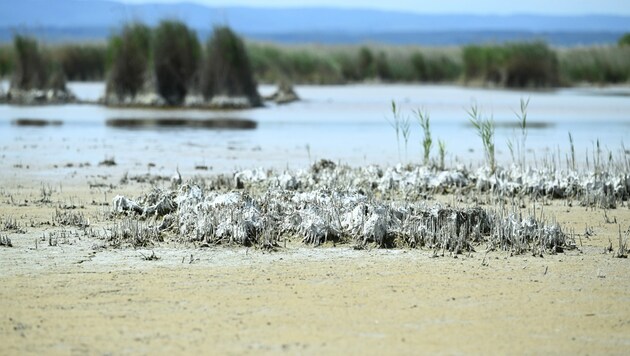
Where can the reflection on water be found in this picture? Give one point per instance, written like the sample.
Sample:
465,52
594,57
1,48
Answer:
179,123
344,123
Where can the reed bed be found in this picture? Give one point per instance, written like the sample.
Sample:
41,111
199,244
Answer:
520,64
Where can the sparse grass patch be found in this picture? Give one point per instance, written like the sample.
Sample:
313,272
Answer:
8,223
622,250
134,233
70,218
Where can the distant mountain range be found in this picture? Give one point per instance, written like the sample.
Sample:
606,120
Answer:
95,19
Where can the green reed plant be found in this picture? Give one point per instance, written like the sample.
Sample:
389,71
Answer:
485,130
425,124
405,130
442,152
521,118
396,124
572,151
597,152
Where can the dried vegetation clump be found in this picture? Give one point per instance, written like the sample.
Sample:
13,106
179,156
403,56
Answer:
5,241
367,206
66,217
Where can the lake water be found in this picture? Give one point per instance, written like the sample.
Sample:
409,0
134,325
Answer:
343,123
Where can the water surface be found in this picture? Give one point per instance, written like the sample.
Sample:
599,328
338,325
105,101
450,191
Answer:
342,123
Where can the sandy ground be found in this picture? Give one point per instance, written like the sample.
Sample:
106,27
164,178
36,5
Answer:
76,298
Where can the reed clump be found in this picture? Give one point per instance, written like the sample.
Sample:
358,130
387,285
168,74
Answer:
513,65
176,59
82,62
129,60
597,64
34,68
226,69
6,60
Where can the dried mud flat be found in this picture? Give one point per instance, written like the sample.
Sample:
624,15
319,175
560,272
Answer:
63,293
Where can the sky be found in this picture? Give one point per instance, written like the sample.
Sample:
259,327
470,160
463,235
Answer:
499,7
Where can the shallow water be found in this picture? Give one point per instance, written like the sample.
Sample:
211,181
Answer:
345,123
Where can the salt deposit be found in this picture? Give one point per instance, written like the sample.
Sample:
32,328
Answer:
362,206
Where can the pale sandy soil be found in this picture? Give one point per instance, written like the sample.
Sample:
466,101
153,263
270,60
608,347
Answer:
75,298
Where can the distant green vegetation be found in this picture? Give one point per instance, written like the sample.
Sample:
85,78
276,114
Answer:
176,59
34,68
338,65
6,60
171,57
129,61
272,63
601,65
81,62
515,65
227,69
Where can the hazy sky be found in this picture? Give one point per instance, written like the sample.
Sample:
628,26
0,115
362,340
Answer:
556,7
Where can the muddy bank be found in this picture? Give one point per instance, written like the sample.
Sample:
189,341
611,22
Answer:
37,97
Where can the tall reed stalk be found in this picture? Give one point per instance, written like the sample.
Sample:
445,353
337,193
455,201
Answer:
572,151
485,130
427,141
